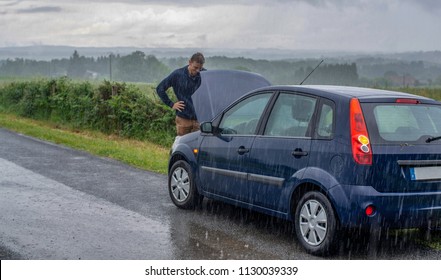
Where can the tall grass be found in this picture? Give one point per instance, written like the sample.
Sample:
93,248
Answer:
141,154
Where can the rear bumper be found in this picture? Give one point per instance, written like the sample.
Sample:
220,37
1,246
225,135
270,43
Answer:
394,210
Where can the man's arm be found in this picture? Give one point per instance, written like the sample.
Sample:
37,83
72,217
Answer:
162,88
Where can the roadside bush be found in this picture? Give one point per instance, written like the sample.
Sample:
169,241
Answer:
110,107
10,96
71,103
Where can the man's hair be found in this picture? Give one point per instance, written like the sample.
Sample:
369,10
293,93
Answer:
198,57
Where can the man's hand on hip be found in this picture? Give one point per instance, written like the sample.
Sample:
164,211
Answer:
179,106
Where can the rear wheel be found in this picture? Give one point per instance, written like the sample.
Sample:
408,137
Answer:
316,224
182,187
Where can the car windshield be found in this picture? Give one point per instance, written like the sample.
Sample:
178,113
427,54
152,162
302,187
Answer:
409,123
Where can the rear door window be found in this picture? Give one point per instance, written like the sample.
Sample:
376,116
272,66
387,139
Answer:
402,122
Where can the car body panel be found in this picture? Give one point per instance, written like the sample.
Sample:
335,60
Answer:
222,169
274,170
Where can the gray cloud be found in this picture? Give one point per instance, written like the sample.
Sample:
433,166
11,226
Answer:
428,5
376,25
9,3
198,3
266,3
5,5
36,10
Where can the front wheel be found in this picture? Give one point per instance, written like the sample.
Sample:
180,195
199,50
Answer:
182,187
316,224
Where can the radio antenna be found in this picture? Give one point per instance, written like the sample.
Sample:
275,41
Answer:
311,72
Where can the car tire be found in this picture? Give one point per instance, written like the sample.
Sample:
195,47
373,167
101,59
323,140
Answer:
316,224
182,186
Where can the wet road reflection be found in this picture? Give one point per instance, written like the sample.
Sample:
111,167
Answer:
220,231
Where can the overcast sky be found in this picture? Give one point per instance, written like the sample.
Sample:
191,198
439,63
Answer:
337,25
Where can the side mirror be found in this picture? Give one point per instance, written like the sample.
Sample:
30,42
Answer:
207,127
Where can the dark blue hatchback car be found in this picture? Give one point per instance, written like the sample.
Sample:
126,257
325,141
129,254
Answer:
327,158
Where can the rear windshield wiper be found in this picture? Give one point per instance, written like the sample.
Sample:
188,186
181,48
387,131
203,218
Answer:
431,139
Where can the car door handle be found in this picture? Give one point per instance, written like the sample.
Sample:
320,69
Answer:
297,153
242,150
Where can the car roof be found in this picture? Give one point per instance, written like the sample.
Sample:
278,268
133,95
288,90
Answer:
364,94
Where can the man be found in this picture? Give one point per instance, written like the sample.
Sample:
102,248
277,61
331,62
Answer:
184,81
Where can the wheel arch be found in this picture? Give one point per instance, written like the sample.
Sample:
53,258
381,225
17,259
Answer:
307,186
174,158
183,153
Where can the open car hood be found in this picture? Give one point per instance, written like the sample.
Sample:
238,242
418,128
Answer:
219,88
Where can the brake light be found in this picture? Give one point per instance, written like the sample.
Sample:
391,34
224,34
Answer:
407,101
361,148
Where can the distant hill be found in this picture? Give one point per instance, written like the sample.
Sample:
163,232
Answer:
42,52
279,66
49,52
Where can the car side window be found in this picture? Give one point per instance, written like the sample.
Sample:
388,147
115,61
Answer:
325,125
291,116
243,117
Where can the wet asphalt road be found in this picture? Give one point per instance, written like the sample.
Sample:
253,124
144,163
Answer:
59,203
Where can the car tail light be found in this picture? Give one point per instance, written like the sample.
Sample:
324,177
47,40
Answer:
407,101
361,148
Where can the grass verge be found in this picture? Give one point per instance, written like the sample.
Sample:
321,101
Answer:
139,154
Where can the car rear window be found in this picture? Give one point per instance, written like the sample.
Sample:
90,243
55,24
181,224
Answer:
410,123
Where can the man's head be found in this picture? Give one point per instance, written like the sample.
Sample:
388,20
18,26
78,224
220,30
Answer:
196,63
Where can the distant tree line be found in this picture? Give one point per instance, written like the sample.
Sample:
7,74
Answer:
135,67
139,67
291,72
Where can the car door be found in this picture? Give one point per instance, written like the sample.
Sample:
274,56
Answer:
281,151
223,156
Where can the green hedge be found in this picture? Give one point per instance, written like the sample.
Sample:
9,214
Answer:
110,107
